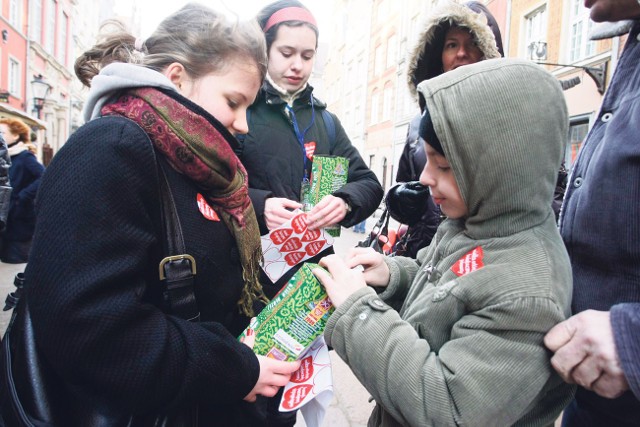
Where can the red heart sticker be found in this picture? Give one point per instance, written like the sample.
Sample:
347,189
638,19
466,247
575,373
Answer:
293,258
305,372
206,210
310,148
295,395
311,235
470,262
280,236
299,223
293,244
314,247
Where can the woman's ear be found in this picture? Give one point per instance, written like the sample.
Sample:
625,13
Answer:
176,73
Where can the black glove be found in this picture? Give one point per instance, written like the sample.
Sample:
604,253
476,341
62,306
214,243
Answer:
407,202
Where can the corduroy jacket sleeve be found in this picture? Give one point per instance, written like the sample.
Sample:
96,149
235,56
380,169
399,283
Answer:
625,320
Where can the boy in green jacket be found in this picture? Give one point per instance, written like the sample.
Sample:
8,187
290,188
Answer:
455,337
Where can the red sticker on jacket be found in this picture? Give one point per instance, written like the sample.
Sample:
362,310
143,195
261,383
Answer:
470,262
206,210
294,257
311,235
304,372
280,236
310,148
314,247
299,223
295,395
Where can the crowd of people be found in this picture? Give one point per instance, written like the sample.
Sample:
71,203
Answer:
497,313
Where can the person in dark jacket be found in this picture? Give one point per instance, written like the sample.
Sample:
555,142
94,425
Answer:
24,174
287,128
598,348
5,185
454,35
169,104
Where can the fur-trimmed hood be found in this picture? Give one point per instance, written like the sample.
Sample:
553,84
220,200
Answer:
425,61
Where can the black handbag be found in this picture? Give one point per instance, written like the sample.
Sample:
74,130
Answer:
379,234
28,395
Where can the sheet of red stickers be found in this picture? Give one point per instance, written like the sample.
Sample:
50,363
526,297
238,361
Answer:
310,388
290,244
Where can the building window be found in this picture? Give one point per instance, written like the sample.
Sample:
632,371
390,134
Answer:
578,129
14,78
50,41
62,43
387,101
379,63
392,51
36,21
579,45
382,12
15,14
375,108
536,34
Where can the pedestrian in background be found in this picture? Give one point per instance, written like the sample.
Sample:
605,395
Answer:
454,35
456,336
5,186
167,105
24,174
599,347
360,227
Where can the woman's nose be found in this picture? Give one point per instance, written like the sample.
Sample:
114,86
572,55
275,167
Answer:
240,124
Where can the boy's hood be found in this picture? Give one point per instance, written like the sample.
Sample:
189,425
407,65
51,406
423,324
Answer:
426,62
502,124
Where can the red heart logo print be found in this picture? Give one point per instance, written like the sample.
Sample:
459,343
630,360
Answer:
294,257
293,244
280,236
299,223
311,235
314,247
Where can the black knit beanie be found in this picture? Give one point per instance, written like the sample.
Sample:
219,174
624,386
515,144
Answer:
428,133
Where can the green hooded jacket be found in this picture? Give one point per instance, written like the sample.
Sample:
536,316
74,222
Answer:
457,336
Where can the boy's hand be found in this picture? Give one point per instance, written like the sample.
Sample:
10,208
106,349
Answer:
376,271
342,280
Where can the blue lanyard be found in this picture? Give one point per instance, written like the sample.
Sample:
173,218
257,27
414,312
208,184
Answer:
300,135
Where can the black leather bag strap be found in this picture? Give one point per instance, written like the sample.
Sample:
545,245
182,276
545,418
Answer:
178,269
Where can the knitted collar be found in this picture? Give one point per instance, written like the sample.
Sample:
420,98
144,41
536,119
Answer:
286,96
196,145
17,148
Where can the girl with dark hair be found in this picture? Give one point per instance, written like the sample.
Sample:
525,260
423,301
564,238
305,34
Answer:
289,126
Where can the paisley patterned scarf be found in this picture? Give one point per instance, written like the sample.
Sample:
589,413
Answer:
198,146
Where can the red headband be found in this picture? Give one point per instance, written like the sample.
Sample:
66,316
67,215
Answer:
290,14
